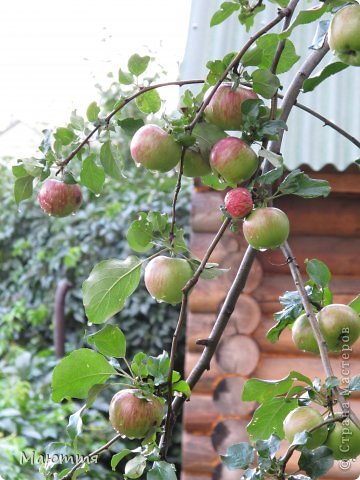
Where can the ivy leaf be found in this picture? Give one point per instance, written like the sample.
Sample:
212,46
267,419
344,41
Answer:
112,164
125,77
162,471
268,418
64,135
109,341
238,456
265,83
149,102
318,272
355,304
226,9
135,467
137,64
91,175
75,374
116,459
92,112
300,184
316,462
110,283
311,83
261,391
23,188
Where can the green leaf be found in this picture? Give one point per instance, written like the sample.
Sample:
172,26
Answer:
320,34
158,367
331,382
135,467
269,447
140,235
304,17
131,125
318,272
110,283
272,127
300,184
332,69
92,112
19,170
23,188
77,121
149,102
355,304
125,77
317,462
238,456
268,418
112,164
252,57
212,180
275,159
137,64
162,471
64,135
270,177
261,391
75,374
354,384
138,365
109,341
265,83
116,459
92,176
268,45
212,271
226,9
206,136
183,387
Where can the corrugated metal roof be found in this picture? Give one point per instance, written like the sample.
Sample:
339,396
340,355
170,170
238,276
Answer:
338,98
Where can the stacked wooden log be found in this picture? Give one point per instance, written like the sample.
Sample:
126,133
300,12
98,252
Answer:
327,229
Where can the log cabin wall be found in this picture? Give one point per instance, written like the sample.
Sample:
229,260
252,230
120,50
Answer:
327,229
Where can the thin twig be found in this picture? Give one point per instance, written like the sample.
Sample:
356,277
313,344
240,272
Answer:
176,194
164,442
127,100
102,449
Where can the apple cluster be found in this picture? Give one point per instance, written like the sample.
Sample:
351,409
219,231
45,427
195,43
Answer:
343,438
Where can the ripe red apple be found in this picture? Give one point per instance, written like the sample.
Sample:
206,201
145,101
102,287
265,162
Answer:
155,149
303,335
340,325
224,109
135,417
266,227
233,159
59,199
165,277
304,419
344,440
238,202
344,34
195,165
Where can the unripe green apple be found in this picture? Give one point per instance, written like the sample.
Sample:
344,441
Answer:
304,419
233,159
155,149
165,277
135,417
344,440
344,34
340,325
303,335
59,199
195,165
224,109
266,227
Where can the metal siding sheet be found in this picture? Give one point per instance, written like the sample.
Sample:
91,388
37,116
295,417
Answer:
338,98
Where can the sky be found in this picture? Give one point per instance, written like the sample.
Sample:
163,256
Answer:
53,53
